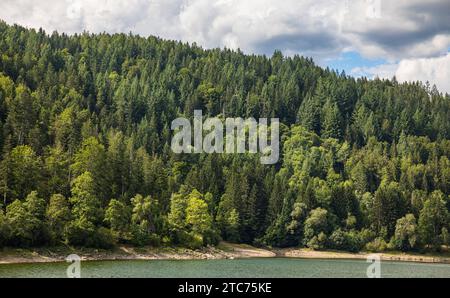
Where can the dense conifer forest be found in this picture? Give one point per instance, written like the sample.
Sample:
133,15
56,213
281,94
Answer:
86,161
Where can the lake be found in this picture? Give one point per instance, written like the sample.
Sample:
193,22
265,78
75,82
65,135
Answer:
242,268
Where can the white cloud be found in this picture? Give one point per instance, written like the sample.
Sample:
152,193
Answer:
383,71
433,70
375,28
391,30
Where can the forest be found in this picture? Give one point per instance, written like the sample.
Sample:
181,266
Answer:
86,160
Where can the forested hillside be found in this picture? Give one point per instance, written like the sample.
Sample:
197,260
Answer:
86,160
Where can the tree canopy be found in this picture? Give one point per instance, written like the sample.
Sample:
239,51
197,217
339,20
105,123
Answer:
85,149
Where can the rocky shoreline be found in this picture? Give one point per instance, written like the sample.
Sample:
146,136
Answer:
223,251
393,257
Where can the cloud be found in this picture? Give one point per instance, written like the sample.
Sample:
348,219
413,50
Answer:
403,30
383,71
319,28
433,70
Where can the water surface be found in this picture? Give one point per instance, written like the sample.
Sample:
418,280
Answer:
245,268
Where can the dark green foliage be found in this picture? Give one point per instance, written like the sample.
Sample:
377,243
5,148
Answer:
4,229
346,240
118,216
86,118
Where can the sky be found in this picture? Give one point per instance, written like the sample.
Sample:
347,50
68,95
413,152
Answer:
409,39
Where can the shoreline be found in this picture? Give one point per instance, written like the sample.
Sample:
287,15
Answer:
223,251
54,255
443,258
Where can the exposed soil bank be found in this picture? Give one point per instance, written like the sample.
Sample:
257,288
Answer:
394,256
223,251
47,255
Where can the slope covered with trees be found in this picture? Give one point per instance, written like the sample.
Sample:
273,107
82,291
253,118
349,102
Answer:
86,160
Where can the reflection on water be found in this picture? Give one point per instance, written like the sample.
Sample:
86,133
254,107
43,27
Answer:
247,268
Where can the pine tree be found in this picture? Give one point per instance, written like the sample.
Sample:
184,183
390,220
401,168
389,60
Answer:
332,123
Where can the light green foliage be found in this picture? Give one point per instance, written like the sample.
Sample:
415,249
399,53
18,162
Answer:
36,205
197,215
66,128
58,215
177,215
57,166
22,172
118,216
346,240
298,215
191,220
406,233
377,245
87,213
20,223
332,121
146,220
146,212
86,205
316,228
433,218
91,157
26,221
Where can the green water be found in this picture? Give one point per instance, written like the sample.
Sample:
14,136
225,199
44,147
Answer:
248,268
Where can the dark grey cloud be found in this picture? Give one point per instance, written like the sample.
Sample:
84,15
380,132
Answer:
419,23
310,44
398,39
319,28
